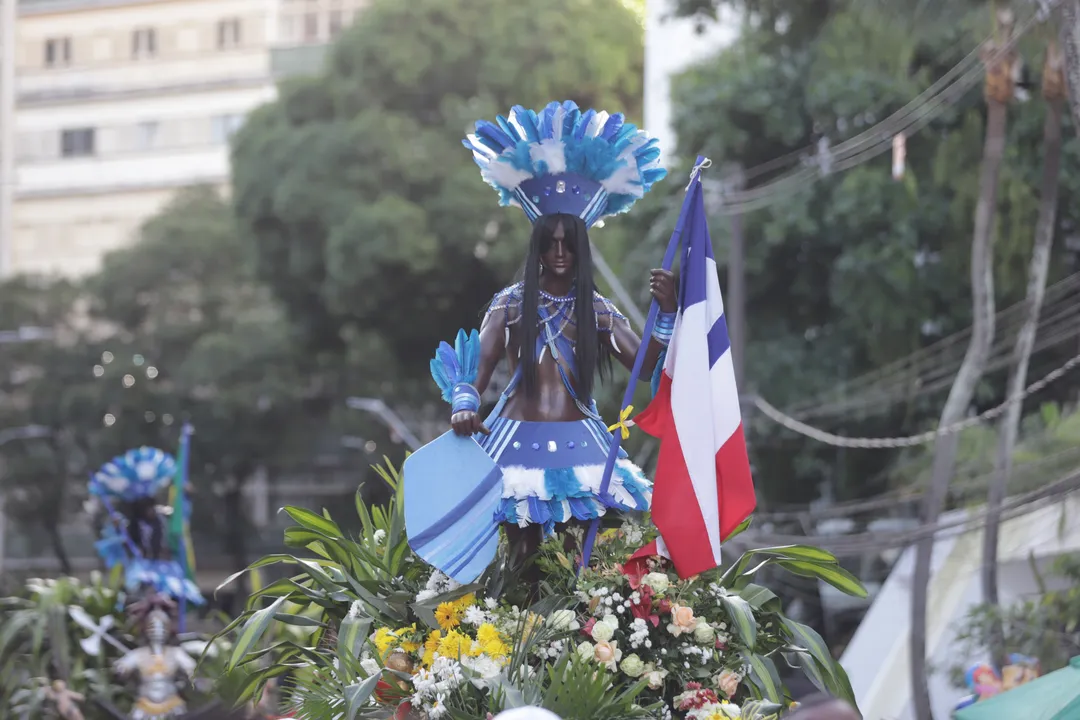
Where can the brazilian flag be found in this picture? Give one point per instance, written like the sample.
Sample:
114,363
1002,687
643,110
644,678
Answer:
179,529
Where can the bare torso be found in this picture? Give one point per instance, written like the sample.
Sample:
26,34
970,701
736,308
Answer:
553,402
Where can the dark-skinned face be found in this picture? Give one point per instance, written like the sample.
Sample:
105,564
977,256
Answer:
559,254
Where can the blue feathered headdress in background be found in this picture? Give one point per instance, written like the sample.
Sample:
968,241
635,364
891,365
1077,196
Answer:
562,160
136,474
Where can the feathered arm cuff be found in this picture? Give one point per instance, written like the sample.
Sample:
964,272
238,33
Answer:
456,365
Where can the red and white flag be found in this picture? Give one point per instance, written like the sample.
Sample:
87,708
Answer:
703,489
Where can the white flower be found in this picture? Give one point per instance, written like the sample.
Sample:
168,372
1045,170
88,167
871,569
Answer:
490,603
475,616
380,535
602,632
562,620
657,581
656,678
612,621
704,634
586,651
425,595
370,666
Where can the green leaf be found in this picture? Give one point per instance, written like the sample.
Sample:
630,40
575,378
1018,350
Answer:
835,575
253,631
317,523
352,635
742,617
743,526
764,675
760,598
357,694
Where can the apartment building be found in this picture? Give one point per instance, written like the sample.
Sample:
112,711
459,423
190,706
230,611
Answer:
118,103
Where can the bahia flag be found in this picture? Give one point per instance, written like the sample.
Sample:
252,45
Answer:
703,489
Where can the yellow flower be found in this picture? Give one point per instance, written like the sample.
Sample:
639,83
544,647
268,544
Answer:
448,615
464,603
454,645
384,640
487,633
430,646
496,649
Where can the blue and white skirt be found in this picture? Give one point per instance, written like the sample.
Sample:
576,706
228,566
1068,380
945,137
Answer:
552,472
165,576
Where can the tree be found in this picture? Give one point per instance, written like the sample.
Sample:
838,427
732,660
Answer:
855,270
372,224
33,472
1053,84
999,91
185,301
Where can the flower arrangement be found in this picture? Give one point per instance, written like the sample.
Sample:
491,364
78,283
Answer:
625,638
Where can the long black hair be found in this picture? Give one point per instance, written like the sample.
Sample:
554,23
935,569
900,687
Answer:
591,356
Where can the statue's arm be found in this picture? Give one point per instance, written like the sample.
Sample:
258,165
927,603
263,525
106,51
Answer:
492,348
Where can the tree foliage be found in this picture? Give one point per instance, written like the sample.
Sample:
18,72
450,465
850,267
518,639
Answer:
370,220
858,270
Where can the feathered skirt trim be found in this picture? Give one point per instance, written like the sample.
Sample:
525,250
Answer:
165,576
552,473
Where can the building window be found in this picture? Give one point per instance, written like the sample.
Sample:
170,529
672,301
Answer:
144,43
311,26
146,135
223,127
58,52
337,22
228,34
78,142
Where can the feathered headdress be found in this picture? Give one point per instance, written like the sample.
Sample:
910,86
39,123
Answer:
136,474
561,160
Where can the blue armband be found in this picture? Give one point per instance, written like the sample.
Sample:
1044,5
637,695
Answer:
465,398
664,328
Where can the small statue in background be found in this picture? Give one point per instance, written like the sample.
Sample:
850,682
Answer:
66,701
157,664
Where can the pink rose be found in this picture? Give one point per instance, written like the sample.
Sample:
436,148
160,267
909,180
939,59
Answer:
587,630
727,682
682,620
604,652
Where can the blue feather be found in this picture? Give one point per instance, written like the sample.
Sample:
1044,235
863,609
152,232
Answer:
457,364
619,146
509,129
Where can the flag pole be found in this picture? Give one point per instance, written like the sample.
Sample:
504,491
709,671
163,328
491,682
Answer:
700,164
177,520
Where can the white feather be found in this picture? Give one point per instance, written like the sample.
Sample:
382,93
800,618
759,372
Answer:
624,181
505,175
479,147
552,152
517,125
597,123
557,123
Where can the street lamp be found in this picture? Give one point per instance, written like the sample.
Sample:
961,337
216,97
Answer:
27,432
379,409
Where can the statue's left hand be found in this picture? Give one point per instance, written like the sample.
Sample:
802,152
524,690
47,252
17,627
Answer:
662,287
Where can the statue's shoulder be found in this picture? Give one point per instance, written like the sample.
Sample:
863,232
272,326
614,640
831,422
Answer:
606,312
507,302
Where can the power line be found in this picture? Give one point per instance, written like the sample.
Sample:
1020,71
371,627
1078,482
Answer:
876,542
911,441
877,140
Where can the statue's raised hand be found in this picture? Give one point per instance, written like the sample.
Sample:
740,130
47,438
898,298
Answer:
662,287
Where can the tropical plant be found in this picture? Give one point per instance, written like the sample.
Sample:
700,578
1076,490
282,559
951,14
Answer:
388,633
68,630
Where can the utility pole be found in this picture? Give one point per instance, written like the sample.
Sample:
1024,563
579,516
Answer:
8,12
735,309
